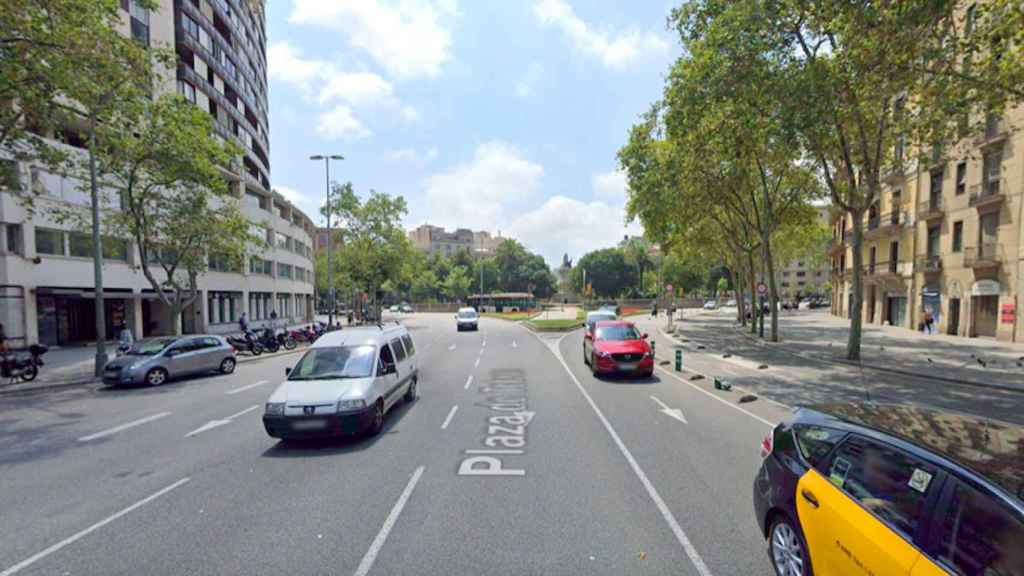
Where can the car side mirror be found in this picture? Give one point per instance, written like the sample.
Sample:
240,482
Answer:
644,336
287,371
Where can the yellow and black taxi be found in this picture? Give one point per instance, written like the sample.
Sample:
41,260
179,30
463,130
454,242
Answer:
874,489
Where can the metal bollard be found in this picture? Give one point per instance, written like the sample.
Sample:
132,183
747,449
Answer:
652,348
679,360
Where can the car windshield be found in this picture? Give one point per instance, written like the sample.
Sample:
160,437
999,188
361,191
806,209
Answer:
617,332
332,363
150,347
467,314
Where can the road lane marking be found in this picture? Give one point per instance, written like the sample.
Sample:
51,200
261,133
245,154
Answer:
124,426
469,382
671,412
476,451
484,344
367,562
79,535
218,423
477,363
247,387
670,519
448,419
452,347
722,400
514,344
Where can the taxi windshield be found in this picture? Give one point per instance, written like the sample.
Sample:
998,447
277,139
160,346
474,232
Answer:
618,332
332,363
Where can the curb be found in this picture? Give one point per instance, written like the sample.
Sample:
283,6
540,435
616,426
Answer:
15,391
533,328
974,383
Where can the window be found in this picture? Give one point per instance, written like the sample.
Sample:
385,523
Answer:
261,266
801,274
980,536
187,90
992,167
408,345
385,359
958,236
9,175
223,263
785,273
139,22
961,178
282,241
815,442
933,241
972,11
189,25
887,482
14,239
396,345
284,270
80,245
114,249
49,242
936,185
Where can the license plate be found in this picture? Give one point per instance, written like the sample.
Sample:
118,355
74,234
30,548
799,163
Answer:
627,366
309,425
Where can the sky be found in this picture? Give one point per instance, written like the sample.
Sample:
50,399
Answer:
497,115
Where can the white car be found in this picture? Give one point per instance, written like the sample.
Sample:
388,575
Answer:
467,319
344,384
710,305
394,308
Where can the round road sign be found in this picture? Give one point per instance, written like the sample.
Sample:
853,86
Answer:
762,288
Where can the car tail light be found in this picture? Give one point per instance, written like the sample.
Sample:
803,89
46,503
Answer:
768,444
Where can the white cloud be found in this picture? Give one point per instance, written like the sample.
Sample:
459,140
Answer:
567,225
610,185
613,51
410,114
411,156
356,88
285,63
528,83
340,123
482,192
409,38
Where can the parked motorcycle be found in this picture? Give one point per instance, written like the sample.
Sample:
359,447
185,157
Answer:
306,334
268,340
22,364
286,340
246,343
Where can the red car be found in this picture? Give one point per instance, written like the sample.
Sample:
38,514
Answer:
617,346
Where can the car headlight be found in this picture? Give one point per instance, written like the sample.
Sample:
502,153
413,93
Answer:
275,408
603,354
648,354
350,405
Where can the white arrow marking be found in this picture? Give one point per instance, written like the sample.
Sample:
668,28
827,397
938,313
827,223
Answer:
218,423
452,347
514,345
673,412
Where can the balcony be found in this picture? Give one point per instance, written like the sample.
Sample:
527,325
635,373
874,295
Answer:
983,257
930,209
929,264
988,196
885,225
835,247
875,272
894,174
995,132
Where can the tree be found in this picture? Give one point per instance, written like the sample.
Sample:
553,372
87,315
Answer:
637,253
457,284
606,271
376,246
163,165
722,286
424,287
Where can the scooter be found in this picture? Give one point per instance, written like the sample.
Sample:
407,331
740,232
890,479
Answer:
246,343
269,341
286,340
22,364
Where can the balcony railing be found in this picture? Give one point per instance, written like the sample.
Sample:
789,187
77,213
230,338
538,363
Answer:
884,224
931,208
929,264
987,193
988,255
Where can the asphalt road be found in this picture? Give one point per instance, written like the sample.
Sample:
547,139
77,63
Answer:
586,476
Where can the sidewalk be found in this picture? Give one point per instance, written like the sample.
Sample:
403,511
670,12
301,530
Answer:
816,334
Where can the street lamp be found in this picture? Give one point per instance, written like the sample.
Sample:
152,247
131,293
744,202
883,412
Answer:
330,238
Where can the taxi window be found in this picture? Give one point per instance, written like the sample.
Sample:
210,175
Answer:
815,442
409,349
396,345
979,536
887,482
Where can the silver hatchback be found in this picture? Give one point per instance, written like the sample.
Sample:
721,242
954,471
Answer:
155,361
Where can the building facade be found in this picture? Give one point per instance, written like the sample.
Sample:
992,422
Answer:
944,240
436,240
802,278
46,268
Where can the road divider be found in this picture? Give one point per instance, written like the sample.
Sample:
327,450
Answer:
123,427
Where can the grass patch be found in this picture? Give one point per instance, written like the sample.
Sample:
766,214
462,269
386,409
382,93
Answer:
512,316
559,325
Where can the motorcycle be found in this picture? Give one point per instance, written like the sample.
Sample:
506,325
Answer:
22,364
286,340
246,343
307,334
268,340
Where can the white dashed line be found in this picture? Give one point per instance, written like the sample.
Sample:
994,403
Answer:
367,563
79,535
514,344
477,363
469,382
452,347
247,387
448,419
124,426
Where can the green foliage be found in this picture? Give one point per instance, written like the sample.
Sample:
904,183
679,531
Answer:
457,284
607,272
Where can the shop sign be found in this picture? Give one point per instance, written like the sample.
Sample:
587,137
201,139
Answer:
1008,313
985,288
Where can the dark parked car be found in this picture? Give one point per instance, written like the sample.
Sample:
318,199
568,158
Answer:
885,490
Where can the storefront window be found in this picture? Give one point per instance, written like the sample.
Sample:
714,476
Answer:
115,249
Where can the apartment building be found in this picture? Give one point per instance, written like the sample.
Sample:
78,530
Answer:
800,278
945,238
436,240
47,292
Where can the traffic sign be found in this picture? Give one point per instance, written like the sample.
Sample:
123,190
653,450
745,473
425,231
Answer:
762,288
668,287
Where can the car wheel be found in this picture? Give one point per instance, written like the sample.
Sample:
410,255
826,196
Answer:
377,424
788,551
586,359
156,377
257,349
290,343
648,374
227,366
410,394
593,365
30,373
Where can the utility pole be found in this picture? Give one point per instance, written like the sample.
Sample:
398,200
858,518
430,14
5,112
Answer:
330,236
97,256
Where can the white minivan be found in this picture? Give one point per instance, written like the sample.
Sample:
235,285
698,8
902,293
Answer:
345,383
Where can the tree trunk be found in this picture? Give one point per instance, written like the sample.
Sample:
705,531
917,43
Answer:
773,296
737,286
754,310
857,297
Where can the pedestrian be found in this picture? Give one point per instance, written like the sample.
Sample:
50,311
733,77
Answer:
125,338
273,321
654,310
929,321
3,339
243,322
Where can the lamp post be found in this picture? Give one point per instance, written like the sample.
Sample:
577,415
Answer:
330,237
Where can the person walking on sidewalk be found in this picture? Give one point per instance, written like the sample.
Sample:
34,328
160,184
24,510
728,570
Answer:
125,339
929,321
